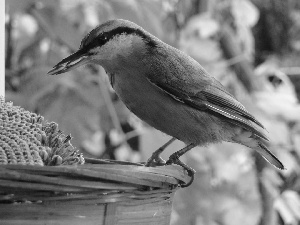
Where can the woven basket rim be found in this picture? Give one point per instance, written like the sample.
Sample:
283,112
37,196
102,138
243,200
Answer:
101,177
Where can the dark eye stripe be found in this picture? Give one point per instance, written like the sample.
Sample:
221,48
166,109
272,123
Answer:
90,42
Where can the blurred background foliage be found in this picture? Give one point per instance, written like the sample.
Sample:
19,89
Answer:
251,46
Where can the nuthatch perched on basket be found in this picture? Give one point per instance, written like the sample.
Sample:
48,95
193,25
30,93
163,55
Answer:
167,89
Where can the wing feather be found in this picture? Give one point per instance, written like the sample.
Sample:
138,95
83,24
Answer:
214,100
216,97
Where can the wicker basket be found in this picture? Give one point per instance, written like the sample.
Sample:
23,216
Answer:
98,192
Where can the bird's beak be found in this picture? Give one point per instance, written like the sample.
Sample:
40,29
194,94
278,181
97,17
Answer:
71,62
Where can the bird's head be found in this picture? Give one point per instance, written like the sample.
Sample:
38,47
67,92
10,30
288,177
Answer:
106,43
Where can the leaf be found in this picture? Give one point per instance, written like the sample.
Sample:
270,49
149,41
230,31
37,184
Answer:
203,26
245,12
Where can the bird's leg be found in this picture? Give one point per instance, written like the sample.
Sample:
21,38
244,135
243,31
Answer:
155,159
174,158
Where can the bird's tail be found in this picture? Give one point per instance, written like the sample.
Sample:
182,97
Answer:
269,156
255,142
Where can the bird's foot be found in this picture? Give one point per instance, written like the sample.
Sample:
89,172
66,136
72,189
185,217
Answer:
174,159
155,160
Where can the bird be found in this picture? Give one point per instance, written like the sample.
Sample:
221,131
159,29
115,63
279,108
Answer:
169,90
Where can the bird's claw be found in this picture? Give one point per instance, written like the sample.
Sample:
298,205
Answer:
155,160
174,159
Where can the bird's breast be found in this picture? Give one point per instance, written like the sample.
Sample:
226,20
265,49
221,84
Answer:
139,95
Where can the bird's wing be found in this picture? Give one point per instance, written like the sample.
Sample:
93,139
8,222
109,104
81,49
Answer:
201,91
215,100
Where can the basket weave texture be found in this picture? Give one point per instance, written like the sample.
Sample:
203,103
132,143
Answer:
98,192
